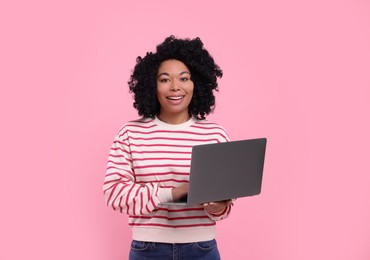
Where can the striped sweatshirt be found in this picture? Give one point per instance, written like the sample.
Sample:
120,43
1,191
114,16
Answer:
147,159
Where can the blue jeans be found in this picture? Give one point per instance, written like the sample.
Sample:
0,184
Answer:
206,250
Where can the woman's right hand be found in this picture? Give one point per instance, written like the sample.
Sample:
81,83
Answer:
180,191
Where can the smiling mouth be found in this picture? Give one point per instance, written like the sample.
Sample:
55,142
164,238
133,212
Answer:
175,97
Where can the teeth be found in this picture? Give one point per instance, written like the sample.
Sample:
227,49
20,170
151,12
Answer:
175,98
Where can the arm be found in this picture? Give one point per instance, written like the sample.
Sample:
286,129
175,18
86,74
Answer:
120,190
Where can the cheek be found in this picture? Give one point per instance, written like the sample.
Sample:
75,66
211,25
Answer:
159,91
190,89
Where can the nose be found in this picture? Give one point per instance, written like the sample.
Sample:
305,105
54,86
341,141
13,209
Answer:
174,86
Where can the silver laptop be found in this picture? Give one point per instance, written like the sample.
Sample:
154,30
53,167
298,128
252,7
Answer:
223,171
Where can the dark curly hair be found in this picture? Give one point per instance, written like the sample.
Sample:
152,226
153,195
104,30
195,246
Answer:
204,73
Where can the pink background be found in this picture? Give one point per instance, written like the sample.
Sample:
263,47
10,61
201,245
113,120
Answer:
296,72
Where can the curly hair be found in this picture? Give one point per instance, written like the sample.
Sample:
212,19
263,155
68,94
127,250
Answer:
204,73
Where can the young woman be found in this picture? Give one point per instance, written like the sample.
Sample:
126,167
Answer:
149,161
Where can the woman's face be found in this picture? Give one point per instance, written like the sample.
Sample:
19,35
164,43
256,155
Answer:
174,91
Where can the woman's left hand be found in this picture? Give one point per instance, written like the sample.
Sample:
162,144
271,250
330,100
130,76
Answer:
216,206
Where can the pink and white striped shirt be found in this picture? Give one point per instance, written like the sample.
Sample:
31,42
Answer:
147,159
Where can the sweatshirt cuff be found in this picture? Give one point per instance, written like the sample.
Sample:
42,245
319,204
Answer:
165,195
220,213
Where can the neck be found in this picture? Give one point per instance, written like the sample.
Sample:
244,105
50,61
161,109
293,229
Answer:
174,119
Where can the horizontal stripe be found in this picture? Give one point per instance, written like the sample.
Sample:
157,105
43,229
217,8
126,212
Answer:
161,158
179,210
164,152
118,163
161,173
172,226
116,155
120,156
162,166
121,142
115,149
169,218
115,168
160,145
164,180
116,173
173,132
174,139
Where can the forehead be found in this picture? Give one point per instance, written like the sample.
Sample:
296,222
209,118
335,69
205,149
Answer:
172,66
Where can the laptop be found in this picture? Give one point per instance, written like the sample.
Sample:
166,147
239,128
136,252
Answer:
223,171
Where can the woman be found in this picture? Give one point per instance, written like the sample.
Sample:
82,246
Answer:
149,161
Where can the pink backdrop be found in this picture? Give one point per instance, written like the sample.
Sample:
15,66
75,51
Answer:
296,72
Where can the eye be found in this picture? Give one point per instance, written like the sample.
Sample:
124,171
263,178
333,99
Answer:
164,80
184,79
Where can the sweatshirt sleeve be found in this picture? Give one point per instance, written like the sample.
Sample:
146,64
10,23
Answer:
220,215
120,190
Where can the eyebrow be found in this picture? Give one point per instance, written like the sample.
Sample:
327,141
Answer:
166,74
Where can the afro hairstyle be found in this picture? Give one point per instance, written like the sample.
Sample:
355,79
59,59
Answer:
204,73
